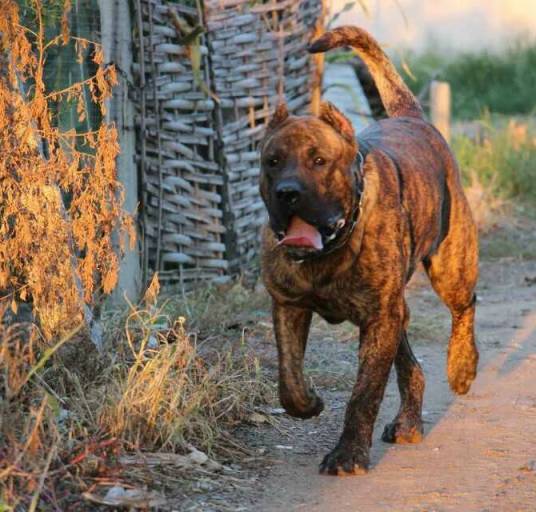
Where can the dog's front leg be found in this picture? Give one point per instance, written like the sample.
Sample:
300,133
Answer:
379,340
291,325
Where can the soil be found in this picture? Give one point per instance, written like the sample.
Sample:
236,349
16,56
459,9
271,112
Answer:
479,450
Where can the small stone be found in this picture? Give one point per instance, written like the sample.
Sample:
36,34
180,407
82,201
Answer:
529,466
197,456
283,447
152,342
115,493
276,411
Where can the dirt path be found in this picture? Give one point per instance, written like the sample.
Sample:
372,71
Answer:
479,451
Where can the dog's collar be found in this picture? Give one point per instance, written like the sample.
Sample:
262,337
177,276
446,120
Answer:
359,179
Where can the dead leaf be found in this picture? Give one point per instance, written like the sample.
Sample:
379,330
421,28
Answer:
152,291
195,458
258,418
118,496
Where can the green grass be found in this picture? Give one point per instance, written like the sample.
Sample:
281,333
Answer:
502,82
212,310
504,162
499,175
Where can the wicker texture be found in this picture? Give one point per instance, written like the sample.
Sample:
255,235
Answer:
197,156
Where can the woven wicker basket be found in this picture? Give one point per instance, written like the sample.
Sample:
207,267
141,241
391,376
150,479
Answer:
197,152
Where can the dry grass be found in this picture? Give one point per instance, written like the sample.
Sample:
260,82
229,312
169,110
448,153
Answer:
69,415
487,208
163,394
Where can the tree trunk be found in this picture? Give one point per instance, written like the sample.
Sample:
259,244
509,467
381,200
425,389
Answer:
116,39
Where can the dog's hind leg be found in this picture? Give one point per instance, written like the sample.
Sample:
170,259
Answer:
453,272
407,426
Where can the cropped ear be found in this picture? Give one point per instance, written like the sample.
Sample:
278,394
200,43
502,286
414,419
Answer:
337,120
280,115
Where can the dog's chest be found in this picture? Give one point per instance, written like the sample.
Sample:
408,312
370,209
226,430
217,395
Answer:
343,300
335,299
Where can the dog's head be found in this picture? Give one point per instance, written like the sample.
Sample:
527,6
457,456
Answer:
307,179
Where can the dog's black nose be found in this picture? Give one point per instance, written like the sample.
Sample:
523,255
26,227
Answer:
288,192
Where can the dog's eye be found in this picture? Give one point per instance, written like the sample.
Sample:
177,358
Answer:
318,161
272,162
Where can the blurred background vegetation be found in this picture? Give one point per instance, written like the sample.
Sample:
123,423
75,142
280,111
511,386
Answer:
500,81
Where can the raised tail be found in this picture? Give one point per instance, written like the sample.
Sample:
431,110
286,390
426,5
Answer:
397,99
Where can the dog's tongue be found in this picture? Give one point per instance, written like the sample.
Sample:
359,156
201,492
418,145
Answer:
301,234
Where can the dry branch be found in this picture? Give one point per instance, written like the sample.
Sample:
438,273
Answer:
60,201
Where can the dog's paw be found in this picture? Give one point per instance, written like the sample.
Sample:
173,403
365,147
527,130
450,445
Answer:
461,370
403,431
345,461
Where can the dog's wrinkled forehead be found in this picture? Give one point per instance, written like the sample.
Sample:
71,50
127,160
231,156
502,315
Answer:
303,134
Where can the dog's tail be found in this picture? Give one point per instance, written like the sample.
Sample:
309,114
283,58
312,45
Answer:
397,99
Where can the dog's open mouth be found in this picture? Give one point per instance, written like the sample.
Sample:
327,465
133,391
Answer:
303,235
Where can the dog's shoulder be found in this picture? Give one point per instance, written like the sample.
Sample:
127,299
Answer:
407,153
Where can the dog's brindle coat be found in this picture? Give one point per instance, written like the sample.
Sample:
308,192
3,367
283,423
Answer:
409,207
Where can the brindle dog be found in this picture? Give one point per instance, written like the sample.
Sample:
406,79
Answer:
349,220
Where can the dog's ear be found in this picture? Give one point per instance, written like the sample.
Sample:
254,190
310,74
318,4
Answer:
337,120
279,117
